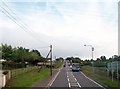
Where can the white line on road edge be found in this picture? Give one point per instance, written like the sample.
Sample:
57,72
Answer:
93,81
51,82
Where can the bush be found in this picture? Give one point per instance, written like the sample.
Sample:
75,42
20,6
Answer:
5,72
12,65
100,64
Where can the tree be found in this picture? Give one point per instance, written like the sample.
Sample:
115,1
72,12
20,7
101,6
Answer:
7,52
0,51
76,60
86,62
98,59
103,58
69,58
110,59
21,54
36,51
59,59
115,57
118,58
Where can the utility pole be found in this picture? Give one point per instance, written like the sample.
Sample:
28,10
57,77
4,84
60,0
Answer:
118,74
51,60
50,54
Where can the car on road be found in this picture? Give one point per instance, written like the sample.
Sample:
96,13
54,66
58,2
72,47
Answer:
64,65
75,68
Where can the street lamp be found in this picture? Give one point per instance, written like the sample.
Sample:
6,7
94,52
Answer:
92,49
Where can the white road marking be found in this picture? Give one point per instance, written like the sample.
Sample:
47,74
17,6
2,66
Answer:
78,84
51,82
67,72
72,81
75,79
93,81
69,84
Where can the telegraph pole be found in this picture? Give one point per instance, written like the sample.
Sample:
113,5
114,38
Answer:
50,54
51,60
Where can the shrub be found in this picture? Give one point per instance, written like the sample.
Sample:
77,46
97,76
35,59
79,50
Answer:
5,72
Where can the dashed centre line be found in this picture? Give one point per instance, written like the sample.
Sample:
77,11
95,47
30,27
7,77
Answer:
72,81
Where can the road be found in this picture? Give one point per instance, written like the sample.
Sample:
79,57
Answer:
68,79
61,79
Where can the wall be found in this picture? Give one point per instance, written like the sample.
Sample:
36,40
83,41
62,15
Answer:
2,80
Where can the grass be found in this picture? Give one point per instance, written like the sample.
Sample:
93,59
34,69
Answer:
58,64
106,81
29,78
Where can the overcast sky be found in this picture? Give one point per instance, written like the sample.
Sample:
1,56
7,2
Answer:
66,24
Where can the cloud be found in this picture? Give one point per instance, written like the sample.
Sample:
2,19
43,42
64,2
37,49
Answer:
66,29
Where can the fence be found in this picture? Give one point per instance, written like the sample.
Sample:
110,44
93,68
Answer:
106,72
13,73
101,71
17,72
113,66
114,69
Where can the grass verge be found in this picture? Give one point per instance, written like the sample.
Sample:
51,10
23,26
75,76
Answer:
58,64
106,81
29,78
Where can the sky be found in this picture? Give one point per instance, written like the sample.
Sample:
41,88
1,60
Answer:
67,25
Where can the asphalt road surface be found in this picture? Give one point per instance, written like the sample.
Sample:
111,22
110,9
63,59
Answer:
61,79
68,79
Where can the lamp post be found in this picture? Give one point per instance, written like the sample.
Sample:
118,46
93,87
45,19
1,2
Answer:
92,49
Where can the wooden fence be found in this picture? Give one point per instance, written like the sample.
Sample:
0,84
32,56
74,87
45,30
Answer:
14,73
17,72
